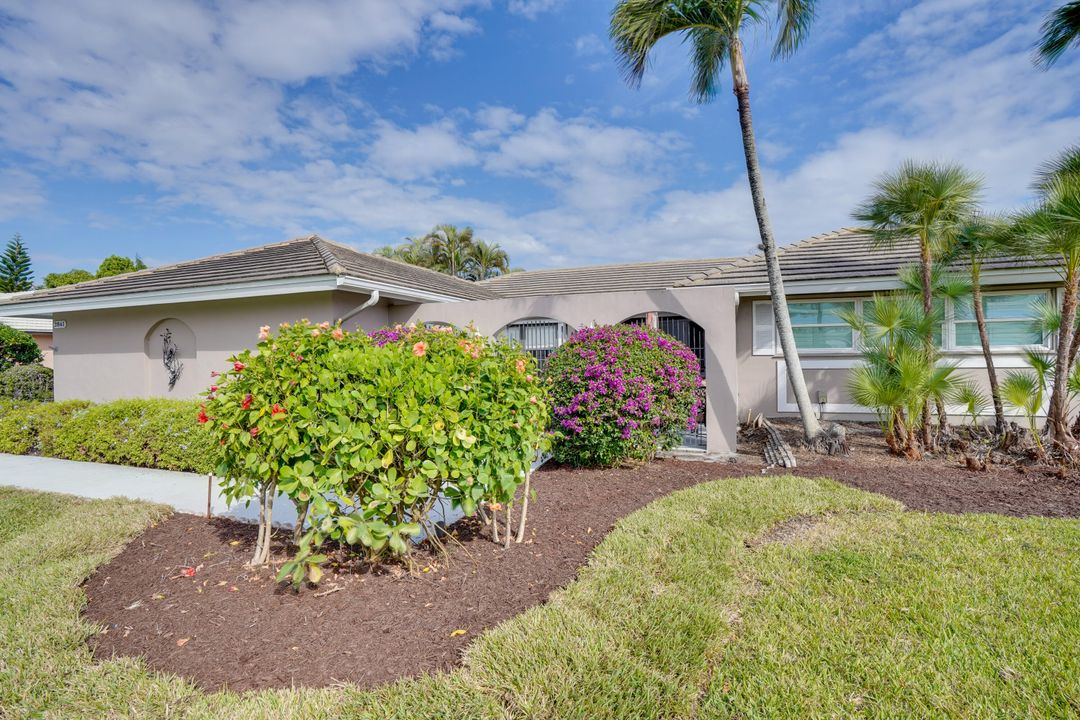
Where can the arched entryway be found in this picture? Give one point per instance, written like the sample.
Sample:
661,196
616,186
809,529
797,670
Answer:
539,337
692,335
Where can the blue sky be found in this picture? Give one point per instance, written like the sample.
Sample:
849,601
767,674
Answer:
177,129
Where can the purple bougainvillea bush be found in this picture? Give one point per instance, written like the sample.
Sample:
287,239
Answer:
622,392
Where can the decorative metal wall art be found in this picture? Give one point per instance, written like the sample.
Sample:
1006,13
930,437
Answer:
170,358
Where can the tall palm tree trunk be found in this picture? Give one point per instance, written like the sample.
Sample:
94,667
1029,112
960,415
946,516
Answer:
741,83
984,340
1057,417
926,265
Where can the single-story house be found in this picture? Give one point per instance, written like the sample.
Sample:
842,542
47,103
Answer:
112,336
36,327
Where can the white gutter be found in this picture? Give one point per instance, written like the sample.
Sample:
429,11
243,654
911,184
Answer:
258,288
1025,276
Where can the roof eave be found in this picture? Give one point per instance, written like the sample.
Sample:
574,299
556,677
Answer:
1007,276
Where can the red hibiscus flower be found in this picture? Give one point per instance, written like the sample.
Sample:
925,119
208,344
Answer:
246,404
203,417
277,410
254,431
238,366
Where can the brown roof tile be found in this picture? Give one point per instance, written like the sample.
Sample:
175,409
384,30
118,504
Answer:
601,278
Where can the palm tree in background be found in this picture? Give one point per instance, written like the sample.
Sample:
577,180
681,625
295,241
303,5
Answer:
927,202
1051,231
1060,29
486,260
713,29
450,247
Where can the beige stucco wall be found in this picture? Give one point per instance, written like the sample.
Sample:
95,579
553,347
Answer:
108,354
711,308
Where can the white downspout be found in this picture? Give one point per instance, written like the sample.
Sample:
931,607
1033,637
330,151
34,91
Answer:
370,301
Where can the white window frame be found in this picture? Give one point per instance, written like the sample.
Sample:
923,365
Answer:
856,306
948,333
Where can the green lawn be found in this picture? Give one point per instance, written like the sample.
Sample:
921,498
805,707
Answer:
873,612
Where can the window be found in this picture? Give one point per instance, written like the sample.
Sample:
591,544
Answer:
939,310
539,336
1010,320
818,325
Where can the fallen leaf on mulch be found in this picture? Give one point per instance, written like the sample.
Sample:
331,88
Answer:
456,633
134,605
188,572
182,642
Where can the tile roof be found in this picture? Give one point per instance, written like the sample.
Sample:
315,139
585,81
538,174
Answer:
601,278
309,256
849,253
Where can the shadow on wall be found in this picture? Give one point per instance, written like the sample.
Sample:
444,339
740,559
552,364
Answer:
170,351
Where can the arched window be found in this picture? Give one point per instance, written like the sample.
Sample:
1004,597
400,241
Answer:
537,336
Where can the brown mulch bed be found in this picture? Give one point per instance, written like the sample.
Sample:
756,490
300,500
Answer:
936,484
232,626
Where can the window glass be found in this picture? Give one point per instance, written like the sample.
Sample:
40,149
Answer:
1010,320
818,326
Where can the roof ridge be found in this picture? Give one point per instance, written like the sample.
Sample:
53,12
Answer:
149,271
333,264
601,266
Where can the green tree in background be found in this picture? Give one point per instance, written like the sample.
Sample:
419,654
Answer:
75,275
118,265
15,272
452,251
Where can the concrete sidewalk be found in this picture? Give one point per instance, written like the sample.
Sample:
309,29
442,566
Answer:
186,492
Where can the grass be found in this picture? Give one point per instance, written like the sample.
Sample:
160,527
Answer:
874,612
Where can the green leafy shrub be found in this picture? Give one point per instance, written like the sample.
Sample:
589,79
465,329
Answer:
153,433
622,393
27,382
365,433
17,348
32,427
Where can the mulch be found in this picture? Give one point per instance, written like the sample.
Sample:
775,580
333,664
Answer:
232,626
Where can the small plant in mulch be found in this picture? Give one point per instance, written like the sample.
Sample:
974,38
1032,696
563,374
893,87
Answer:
622,393
365,433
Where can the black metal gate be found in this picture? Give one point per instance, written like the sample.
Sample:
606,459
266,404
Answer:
692,335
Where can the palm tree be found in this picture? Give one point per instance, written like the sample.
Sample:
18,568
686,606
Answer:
1060,29
486,260
1052,231
450,247
978,238
925,201
713,30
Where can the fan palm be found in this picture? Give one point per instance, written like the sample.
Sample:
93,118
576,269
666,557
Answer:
977,239
1060,29
713,29
486,260
450,247
927,202
1051,232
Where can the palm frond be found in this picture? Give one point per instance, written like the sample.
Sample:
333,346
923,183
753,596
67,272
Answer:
971,398
793,21
709,50
1060,29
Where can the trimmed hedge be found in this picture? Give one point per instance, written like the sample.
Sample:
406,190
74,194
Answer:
17,348
150,433
27,382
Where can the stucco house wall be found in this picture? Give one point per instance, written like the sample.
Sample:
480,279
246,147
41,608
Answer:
712,308
108,354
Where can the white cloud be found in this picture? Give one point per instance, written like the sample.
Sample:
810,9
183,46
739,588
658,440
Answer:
532,9
20,193
421,152
591,44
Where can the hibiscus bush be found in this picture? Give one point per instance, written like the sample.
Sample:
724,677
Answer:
622,393
365,433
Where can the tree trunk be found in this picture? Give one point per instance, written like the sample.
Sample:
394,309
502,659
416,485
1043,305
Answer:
301,518
1057,416
524,508
926,264
741,84
984,340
